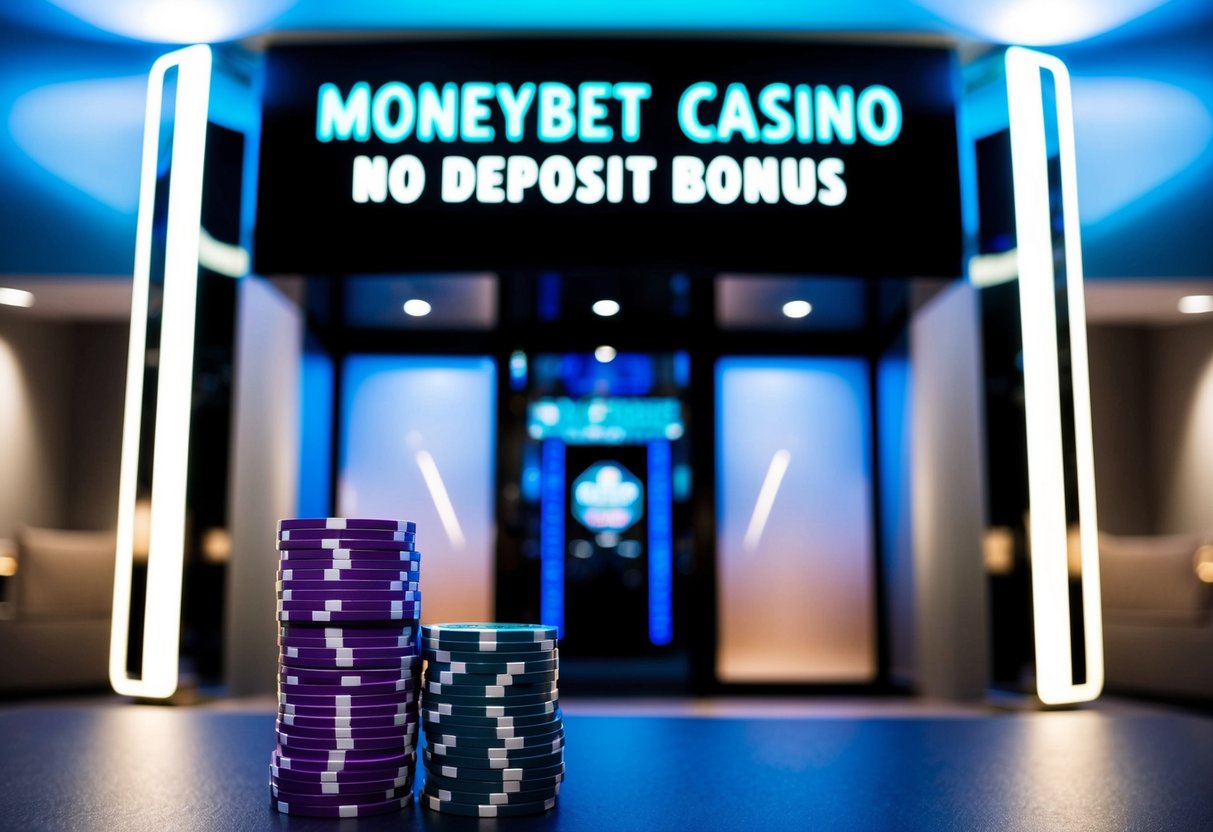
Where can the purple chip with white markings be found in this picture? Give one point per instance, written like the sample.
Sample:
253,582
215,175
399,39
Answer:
341,676
350,559
335,723
357,810
344,543
294,744
344,572
336,696
346,710
399,664
340,585
388,596
352,616
341,760
347,732
346,523
346,534
334,781
402,641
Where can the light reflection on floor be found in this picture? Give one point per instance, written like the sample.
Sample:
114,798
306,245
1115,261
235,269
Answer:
773,707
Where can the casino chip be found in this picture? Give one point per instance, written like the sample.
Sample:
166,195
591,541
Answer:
349,667
346,523
491,718
353,809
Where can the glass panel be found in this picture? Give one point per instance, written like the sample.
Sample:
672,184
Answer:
418,443
795,561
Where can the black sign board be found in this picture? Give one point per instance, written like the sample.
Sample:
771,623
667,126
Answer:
758,156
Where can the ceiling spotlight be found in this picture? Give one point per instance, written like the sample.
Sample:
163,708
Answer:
605,354
1189,305
797,308
16,297
417,307
606,307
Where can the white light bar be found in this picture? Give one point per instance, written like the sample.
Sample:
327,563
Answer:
766,499
986,270
1046,477
442,500
162,614
16,297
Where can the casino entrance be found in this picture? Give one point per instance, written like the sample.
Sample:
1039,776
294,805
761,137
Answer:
680,468
669,412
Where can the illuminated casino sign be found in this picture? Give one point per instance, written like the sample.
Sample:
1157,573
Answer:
727,154
605,420
607,498
596,113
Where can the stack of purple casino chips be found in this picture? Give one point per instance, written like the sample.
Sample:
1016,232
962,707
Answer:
349,604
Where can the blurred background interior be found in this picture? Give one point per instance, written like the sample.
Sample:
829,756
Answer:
808,482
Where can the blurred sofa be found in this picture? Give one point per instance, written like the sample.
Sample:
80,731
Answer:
56,631
1157,615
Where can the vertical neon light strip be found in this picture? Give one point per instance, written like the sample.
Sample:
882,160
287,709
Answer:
661,549
551,534
1046,489
162,617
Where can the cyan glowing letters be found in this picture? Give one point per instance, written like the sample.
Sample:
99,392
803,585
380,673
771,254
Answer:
780,113
594,112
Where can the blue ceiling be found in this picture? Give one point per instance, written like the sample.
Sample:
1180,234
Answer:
71,94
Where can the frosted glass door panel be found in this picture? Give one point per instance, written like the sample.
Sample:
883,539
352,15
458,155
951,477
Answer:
417,443
794,496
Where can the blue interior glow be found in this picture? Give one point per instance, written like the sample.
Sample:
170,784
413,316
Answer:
628,374
549,296
1127,158
605,420
607,498
518,370
551,535
315,434
661,550
548,14
212,21
87,133
1039,22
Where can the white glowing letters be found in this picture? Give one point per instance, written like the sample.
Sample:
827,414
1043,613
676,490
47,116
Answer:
724,180
557,179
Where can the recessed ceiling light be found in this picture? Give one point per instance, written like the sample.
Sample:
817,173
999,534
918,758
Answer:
417,307
1190,304
797,308
605,354
16,297
605,307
